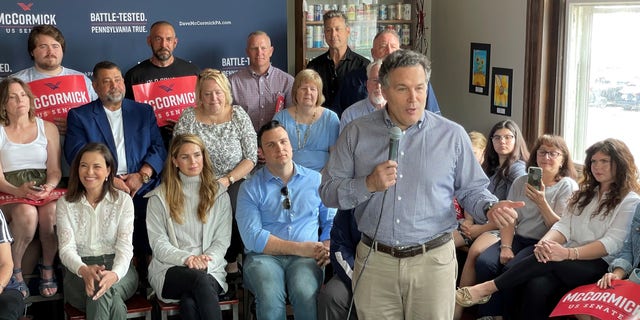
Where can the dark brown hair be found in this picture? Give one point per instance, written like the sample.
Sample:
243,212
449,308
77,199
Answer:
625,179
75,189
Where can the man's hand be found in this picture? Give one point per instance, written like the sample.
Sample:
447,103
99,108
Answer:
503,213
383,176
120,184
133,182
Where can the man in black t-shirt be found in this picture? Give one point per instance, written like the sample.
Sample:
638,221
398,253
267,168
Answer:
163,64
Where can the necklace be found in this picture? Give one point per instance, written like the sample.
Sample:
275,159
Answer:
307,131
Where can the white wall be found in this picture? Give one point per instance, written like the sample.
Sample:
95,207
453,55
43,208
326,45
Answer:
454,25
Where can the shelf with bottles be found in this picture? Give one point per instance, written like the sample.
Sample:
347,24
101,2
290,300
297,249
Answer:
365,19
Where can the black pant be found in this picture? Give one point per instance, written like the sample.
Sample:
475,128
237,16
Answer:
197,291
543,284
11,304
235,247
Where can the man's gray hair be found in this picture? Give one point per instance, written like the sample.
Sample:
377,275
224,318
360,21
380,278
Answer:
403,58
334,14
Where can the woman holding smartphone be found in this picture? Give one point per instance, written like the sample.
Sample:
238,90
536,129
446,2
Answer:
545,192
578,248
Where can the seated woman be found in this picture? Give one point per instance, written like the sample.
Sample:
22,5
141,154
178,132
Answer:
189,224
504,161
542,209
313,129
478,144
577,249
626,260
230,139
95,230
11,300
29,172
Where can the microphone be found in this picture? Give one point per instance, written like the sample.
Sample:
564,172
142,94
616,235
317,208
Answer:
394,142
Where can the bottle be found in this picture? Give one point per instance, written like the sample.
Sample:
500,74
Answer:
405,35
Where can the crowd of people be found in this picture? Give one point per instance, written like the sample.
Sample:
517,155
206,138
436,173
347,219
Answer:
270,178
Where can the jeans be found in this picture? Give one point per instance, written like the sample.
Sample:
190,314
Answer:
11,304
272,279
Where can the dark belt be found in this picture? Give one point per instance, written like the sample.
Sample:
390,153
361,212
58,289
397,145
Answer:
406,252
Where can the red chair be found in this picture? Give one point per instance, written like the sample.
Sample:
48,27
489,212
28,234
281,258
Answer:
172,309
137,306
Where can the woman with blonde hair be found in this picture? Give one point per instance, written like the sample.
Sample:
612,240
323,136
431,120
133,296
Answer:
229,137
189,225
312,129
29,171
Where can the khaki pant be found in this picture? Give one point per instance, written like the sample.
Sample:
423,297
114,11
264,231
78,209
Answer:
112,304
419,287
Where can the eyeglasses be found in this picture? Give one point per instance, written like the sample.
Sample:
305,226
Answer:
286,203
550,154
498,138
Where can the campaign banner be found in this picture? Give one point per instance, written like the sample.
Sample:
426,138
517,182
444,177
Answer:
6,198
212,34
621,301
56,95
167,97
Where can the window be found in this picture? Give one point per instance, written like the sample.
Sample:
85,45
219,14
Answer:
601,87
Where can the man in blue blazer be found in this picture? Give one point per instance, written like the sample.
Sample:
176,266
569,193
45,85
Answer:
130,130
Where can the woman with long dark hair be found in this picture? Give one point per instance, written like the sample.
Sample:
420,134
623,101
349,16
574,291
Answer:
578,248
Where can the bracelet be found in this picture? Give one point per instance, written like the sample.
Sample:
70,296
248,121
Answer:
505,246
575,250
568,254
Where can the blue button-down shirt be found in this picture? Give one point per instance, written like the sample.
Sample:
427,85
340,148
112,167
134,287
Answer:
435,164
260,212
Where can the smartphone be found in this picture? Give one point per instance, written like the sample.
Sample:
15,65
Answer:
535,177
36,188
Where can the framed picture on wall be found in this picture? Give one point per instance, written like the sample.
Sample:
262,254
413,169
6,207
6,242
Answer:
479,62
501,91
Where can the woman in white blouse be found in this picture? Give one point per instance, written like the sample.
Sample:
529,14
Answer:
95,230
577,249
189,225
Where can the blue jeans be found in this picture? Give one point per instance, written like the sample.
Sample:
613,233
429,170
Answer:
274,278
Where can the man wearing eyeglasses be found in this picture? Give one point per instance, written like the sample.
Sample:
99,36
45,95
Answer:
404,208
285,229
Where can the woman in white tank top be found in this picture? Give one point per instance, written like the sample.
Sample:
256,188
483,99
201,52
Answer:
29,173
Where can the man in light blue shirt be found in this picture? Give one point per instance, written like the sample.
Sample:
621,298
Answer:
404,208
280,214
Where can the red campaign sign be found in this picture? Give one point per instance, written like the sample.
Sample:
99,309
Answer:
621,301
56,95
167,97
6,198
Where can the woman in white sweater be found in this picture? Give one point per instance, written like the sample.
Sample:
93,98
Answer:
189,225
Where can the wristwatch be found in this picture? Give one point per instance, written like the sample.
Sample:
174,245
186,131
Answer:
145,177
232,180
